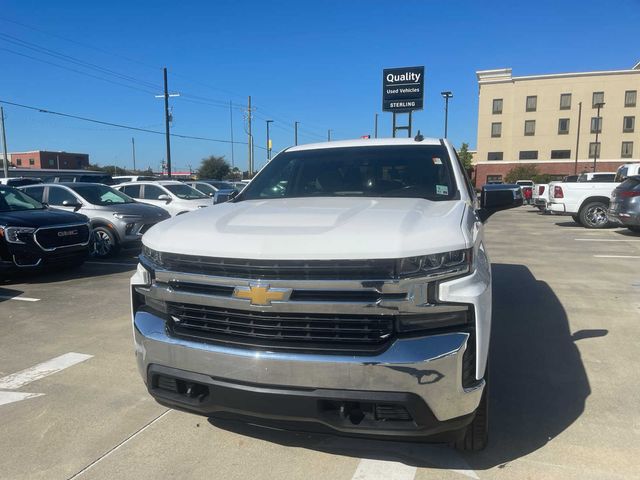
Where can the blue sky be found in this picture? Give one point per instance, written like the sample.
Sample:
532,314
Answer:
319,63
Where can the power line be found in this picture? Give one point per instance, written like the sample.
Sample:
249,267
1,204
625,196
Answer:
119,125
78,71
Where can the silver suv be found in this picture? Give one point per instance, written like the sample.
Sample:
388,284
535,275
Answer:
117,220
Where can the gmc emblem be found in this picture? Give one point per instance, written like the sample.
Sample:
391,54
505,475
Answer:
67,233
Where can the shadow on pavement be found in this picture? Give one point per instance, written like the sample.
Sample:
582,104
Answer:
9,293
569,224
538,385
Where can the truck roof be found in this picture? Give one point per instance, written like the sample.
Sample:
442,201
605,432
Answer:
365,142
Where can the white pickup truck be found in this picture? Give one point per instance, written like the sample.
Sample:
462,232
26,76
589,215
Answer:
586,200
347,287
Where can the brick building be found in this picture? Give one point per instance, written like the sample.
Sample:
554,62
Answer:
45,159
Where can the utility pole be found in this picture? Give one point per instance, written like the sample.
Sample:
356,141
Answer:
375,127
575,166
167,118
329,135
268,141
166,122
5,163
231,127
133,150
295,133
250,162
446,95
58,160
599,127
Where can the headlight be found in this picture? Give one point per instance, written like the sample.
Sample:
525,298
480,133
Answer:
18,234
125,216
445,264
153,255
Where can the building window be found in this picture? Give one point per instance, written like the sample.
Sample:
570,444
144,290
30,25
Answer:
52,162
594,149
598,97
630,98
532,103
528,155
494,178
32,161
494,156
497,105
565,101
628,124
596,124
560,154
18,161
627,150
496,129
529,127
563,126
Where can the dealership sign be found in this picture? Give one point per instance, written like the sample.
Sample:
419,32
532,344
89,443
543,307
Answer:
402,89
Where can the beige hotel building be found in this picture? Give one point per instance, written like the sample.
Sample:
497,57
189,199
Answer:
537,119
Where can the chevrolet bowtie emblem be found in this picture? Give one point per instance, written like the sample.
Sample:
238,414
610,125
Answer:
262,294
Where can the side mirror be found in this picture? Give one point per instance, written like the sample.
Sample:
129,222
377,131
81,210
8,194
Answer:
70,203
165,197
498,197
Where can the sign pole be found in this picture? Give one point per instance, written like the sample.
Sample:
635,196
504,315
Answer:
394,124
410,117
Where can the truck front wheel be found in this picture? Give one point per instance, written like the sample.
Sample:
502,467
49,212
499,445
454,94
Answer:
594,215
476,434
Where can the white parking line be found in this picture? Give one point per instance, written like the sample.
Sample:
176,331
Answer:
617,256
605,240
383,470
55,365
10,397
21,299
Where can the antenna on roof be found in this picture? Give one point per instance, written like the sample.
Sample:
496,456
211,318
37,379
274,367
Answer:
419,137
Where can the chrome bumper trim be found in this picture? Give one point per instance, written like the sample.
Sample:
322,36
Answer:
430,367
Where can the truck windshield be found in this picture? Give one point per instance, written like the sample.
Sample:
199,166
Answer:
421,171
12,200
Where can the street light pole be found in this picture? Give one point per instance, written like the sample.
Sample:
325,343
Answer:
133,148
268,141
446,95
375,127
295,133
5,163
328,135
599,127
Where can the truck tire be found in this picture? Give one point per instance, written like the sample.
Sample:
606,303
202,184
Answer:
576,218
476,434
594,215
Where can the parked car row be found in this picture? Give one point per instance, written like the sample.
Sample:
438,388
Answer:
594,200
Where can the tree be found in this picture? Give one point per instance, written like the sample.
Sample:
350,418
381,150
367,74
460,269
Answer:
214,167
521,172
466,157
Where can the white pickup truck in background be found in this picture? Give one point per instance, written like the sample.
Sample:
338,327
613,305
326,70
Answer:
586,200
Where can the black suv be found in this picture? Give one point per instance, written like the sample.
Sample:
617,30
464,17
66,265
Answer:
33,235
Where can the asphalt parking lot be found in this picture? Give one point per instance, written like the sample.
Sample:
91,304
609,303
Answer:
563,398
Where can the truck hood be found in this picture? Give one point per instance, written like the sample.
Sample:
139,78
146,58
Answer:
314,229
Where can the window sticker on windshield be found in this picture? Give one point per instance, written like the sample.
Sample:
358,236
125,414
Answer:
436,160
442,189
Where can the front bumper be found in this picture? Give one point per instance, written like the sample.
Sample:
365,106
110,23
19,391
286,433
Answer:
421,374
